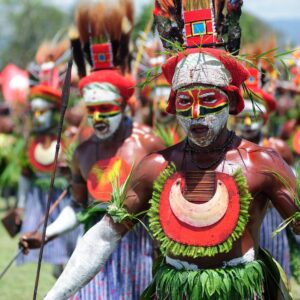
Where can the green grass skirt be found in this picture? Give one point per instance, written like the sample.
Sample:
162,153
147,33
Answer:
262,278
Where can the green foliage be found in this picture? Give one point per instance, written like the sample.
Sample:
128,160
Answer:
240,282
12,159
26,25
165,134
295,194
142,20
69,151
60,183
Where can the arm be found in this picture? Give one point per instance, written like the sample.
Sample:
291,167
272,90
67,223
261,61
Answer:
23,189
281,194
79,189
99,242
88,258
65,222
283,149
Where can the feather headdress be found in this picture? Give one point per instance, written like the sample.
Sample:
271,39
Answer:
104,28
50,59
199,23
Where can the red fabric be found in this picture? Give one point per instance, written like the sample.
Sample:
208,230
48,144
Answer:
47,92
238,73
15,84
125,84
206,236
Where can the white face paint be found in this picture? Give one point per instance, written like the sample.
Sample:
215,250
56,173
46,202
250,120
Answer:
103,101
106,128
42,114
248,124
214,124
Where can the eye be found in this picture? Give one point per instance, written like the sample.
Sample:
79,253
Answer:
184,100
210,99
90,110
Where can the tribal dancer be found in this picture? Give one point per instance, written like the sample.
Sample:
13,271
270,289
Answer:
35,179
208,193
45,101
249,125
110,153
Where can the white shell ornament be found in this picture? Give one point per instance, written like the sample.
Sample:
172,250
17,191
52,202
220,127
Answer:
199,215
45,156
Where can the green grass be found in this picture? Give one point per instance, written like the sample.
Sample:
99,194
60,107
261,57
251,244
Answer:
18,282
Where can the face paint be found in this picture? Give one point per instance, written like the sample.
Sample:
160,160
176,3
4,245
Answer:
203,113
160,96
198,102
42,114
204,131
104,105
249,125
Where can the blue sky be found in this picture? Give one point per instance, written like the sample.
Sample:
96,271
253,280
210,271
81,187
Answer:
268,10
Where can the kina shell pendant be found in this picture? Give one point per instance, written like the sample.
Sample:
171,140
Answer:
199,215
41,153
199,208
45,156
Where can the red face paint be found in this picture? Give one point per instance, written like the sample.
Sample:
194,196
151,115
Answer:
199,102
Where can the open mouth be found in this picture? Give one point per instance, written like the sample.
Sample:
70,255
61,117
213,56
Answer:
199,129
101,127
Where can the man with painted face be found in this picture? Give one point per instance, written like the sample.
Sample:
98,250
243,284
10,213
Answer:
35,179
206,196
115,147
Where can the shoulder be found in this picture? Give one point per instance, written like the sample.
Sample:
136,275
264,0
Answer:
282,148
84,147
265,161
145,136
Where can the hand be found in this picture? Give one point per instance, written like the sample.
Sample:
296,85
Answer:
30,240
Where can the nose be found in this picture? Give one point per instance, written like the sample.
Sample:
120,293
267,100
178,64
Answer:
196,110
96,116
37,113
247,121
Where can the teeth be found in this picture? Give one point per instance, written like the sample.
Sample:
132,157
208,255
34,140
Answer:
199,215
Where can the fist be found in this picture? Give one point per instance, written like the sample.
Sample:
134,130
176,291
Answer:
30,240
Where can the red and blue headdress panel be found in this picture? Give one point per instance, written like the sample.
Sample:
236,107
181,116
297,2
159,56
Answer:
195,23
104,28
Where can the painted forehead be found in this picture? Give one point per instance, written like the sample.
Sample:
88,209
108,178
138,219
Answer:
98,93
40,103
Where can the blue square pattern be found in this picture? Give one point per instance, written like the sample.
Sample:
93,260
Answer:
199,28
101,57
